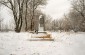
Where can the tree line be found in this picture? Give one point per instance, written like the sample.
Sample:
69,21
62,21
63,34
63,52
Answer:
74,20
25,12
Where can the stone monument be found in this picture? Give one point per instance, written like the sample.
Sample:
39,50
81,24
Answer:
41,35
41,24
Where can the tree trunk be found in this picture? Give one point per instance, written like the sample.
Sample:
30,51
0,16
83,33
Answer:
26,28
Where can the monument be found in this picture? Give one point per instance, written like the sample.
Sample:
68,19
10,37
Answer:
41,24
40,34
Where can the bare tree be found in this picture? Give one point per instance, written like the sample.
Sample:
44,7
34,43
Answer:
48,23
17,8
22,10
79,13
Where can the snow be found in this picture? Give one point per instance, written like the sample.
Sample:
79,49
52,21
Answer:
65,43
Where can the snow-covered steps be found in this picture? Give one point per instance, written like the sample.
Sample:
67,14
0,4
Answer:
41,37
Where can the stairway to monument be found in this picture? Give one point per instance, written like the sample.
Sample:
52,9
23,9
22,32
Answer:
41,36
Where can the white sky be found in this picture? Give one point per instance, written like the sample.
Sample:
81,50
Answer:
57,8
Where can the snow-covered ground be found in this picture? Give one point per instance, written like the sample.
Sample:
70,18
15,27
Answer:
65,43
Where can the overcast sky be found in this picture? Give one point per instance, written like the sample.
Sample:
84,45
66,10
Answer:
57,8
